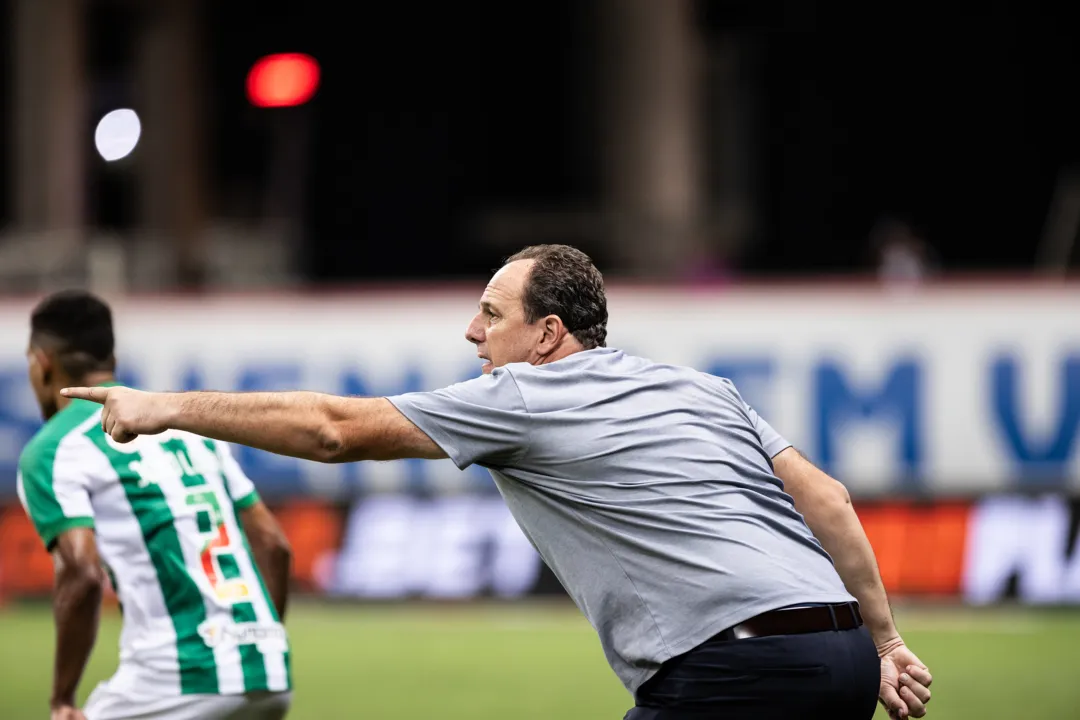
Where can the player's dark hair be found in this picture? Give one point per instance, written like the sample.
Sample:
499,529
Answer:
564,282
77,327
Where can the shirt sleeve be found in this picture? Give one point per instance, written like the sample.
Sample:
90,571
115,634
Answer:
237,483
482,421
54,489
771,440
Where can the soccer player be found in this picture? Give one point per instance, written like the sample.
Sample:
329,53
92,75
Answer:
725,575
178,527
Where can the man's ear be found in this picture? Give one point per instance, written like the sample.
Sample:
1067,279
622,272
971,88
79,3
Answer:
554,331
44,364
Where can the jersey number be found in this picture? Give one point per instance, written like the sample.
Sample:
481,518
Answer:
218,562
218,566
217,558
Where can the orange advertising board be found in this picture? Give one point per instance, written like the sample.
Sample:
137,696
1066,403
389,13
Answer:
997,547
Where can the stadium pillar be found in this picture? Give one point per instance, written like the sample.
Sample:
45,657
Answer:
653,156
49,120
170,164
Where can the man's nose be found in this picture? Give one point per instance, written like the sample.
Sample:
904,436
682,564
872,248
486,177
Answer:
474,333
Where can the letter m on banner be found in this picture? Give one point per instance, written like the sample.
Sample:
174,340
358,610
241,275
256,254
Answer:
894,402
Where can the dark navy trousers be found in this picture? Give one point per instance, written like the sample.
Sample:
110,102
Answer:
833,674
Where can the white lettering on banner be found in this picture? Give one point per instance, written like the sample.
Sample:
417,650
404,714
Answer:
451,547
1025,538
951,389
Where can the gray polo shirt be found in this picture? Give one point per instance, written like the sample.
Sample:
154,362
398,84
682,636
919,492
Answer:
646,488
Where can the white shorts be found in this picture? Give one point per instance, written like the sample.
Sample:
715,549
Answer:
106,704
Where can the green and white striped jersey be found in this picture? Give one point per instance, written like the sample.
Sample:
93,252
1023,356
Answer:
196,614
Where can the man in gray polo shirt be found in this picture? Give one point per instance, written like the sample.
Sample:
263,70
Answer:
725,575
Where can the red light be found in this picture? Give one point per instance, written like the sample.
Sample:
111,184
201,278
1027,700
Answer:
283,80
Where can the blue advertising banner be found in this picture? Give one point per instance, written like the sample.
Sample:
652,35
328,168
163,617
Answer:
954,390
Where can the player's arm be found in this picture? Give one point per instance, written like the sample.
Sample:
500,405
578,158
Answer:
826,506
54,488
483,420
307,425
78,585
272,552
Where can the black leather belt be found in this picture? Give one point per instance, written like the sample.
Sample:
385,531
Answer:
796,621
786,621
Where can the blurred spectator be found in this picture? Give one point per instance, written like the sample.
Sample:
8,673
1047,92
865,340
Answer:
901,254
707,269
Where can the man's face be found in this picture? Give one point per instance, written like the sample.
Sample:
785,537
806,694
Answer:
39,373
499,330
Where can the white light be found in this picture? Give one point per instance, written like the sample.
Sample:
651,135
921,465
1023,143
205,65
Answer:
117,134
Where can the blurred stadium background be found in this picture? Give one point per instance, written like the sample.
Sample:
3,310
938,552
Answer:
865,216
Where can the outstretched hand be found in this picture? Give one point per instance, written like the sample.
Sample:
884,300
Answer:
905,682
126,413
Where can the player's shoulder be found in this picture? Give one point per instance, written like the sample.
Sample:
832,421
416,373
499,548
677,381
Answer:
58,430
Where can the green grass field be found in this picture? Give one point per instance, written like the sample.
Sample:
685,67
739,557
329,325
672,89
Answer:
541,661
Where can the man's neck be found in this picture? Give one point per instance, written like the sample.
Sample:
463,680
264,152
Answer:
566,349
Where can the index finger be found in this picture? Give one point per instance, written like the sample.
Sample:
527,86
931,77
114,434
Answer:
94,394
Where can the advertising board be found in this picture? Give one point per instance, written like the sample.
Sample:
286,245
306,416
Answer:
392,547
950,391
